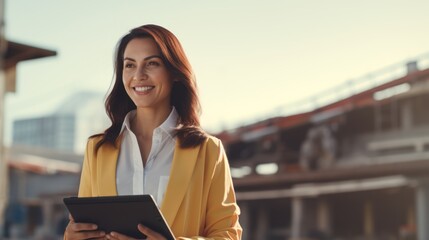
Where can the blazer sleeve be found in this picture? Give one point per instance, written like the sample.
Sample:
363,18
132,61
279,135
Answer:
85,186
222,209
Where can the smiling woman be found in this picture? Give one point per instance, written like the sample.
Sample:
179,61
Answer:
155,145
146,79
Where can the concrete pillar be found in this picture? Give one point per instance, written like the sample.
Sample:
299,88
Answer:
411,216
48,220
422,209
324,216
406,115
245,219
368,220
262,223
297,217
3,165
47,213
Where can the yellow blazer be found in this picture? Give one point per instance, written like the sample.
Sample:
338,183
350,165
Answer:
199,202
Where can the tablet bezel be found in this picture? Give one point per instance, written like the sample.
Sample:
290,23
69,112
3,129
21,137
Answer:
119,213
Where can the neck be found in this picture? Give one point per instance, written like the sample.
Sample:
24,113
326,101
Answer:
146,120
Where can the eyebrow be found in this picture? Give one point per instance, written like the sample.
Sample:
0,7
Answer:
144,59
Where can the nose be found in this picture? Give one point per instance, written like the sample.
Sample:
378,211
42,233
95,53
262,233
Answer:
140,74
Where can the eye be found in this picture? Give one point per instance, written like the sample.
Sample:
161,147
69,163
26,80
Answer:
153,64
128,65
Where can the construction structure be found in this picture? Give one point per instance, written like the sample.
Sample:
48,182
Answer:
44,164
39,179
67,127
356,166
11,53
14,53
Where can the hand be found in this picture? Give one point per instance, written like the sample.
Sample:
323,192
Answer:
151,235
79,231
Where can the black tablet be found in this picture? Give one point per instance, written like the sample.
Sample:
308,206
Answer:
120,214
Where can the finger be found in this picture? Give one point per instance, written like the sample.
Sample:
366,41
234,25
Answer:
77,227
72,233
90,235
150,233
71,217
118,236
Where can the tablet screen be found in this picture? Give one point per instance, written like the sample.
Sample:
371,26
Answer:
119,213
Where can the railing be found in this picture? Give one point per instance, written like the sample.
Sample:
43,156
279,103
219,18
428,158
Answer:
344,90
394,146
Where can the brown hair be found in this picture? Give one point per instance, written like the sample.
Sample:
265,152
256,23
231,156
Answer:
184,94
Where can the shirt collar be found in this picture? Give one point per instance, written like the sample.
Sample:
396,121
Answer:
127,121
168,126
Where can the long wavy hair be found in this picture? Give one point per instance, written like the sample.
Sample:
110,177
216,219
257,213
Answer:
184,94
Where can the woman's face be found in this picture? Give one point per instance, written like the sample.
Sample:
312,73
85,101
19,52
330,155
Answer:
146,79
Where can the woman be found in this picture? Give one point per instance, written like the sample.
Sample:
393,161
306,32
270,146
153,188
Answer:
155,145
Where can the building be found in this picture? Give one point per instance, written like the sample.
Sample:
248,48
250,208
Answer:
355,167
11,53
44,165
80,115
39,180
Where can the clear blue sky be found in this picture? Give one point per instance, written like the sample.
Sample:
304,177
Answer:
250,57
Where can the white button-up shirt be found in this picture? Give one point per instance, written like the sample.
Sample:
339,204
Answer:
132,177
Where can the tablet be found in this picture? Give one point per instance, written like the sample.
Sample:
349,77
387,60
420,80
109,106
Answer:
120,214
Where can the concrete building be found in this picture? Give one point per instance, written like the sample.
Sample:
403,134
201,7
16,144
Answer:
39,180
355,167
44,165
80,115
11,53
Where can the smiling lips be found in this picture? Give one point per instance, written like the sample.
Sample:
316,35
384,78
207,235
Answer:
143,89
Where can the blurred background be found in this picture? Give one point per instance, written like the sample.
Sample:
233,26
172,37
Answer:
321,107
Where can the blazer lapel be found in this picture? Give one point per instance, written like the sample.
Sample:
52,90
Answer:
184,161
107,159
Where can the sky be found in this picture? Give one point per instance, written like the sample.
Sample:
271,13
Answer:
252,59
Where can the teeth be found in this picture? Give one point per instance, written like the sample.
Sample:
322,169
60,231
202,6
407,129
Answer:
143,89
